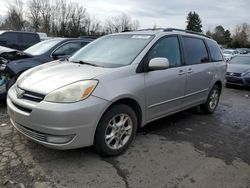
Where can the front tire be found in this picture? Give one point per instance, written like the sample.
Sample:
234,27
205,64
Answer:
116,130
212,101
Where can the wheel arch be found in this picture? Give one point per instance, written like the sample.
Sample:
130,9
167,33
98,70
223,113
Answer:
132,103
219,84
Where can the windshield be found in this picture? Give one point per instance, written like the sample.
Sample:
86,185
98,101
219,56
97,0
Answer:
113,50
42,47
244,60
227,52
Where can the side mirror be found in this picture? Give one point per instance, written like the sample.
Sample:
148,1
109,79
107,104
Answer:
158,63
58,55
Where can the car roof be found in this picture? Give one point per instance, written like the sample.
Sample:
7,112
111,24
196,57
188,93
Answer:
166,31
10,31
73,39
60,39
231,50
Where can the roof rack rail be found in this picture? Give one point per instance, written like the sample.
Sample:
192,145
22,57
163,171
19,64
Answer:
186,31
151,29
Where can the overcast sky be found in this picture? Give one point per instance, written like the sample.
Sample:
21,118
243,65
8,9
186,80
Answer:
169,13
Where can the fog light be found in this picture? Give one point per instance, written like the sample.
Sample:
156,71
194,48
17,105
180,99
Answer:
59,139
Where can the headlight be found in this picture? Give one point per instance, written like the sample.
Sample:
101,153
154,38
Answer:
72,93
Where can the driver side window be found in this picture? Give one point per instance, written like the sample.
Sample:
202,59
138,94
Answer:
167,47
68,48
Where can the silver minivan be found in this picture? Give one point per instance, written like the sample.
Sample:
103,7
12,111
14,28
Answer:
111,87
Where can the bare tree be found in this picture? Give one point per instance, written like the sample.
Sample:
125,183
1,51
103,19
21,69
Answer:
46,12
241,38
93,26
62,18
15,16
120,23
34,10
77,16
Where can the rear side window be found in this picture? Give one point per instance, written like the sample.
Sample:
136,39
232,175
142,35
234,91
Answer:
214,51
9,37
167,47
195,50
28,38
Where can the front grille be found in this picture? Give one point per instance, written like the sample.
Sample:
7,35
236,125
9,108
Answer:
234,80
233,74
33,96
29,95
31,133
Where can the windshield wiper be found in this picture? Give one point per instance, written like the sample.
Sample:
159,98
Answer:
86,63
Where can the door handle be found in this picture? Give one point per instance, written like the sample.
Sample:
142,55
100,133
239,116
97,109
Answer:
181,72
190,70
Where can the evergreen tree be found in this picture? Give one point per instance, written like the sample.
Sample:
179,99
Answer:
219,34
194,22
209,33
228,38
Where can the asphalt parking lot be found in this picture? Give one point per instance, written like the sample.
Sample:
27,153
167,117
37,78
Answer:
188,149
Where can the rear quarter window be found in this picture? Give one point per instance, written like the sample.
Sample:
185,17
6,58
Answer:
214,51
28,38
195,50
9,37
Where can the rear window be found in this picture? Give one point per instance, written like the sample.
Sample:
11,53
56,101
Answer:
195,50
214,50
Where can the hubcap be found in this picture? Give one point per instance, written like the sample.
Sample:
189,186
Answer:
118,131
214,98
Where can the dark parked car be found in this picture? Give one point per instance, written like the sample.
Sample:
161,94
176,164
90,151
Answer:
18,40
13,62
238,70
243,50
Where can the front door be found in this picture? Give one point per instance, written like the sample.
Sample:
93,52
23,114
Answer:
164,89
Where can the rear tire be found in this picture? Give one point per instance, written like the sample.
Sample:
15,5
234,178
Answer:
212,101
115,131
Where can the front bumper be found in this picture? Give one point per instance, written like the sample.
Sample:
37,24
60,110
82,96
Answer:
37,120
238,80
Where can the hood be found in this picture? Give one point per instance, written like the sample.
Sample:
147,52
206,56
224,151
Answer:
237,68
5,49
50,76
14,55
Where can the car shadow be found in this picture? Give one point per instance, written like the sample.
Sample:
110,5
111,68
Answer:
244,88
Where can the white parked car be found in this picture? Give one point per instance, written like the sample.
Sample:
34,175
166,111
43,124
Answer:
229,54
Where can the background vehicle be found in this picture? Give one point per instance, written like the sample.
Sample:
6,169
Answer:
238,70
6,55
106,90
43,36
229,54
243,50
18,40
38,54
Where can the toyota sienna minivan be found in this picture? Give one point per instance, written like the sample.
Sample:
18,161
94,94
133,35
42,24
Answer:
118,83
